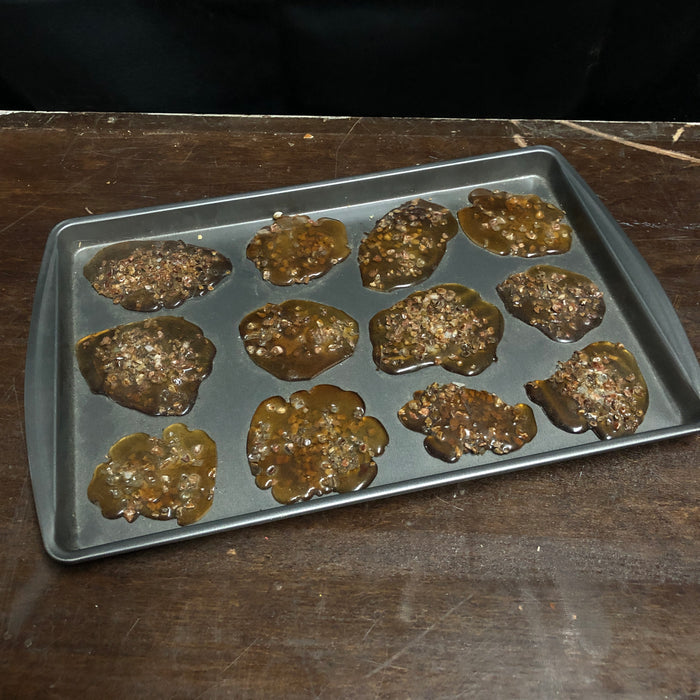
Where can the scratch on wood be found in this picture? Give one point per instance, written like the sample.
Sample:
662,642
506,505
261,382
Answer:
241,654
136,621
342,141
447,503
24,216
390,661
226,668
188,156
627,142
371,627
69,147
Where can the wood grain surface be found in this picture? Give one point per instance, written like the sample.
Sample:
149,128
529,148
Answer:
577,580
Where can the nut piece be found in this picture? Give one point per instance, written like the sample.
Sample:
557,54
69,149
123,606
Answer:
600,387
150,275
564,305
154,366
406,245
458,420
317,442
162,479
448,325
514,224
297,249
298,339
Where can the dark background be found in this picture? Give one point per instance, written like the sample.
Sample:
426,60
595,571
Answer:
586,60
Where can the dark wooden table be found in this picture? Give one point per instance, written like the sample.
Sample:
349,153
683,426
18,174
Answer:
574,580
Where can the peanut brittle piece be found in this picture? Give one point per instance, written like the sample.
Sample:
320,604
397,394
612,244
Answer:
406,245
154,366
522,225
298,339
297,249
448,325
600,387
564,305
159,478
457,420
151,275
317,442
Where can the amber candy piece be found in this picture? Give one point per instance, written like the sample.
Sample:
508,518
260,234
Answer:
406,245
600,387
456,420
564,305
154,366
298,339
159,478
522,225
448,325
297,249
150,275
317,442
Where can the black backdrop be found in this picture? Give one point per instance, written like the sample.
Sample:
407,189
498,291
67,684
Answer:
587,60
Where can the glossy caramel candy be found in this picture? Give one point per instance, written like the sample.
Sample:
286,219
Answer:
297,249
600,387
457,420
318,442
564,305
448,325
150,275
159,478
298,339
154,366
522,225
406,245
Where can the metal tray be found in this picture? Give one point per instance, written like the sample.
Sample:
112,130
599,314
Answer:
69,430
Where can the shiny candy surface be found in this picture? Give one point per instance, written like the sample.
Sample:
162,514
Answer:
448,325
147,276
317,442
522,225
406,245
154,366
457,420
297,249
166,478
600,387
298,339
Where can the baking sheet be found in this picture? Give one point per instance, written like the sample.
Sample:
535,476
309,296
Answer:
69,430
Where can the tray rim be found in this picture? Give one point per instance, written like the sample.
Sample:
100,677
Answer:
40,416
